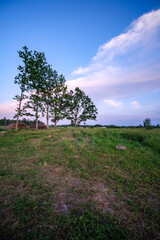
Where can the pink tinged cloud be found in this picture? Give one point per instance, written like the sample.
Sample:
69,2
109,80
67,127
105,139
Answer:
113,103
135,105
102,76
7,109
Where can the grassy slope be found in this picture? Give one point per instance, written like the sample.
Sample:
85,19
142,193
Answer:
68,184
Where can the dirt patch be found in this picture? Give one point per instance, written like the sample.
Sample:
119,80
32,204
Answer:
35,140
70,138
71,191
104,198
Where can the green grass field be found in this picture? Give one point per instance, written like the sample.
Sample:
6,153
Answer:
73,184
2,128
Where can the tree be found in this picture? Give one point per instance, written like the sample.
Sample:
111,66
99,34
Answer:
50,83
22,81
58,103
5,121
35,105
80,107
147,122
53,96
37,70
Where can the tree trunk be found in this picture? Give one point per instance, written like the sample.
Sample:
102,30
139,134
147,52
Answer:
75,123
5,121
36,123
47,117
19,109
55,124
37,118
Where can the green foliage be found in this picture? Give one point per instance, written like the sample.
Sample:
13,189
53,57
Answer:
58,100
37,71
46,89
147,123
22,80
80,107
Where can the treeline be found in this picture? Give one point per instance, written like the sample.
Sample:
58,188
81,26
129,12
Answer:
44,93
111,126
28,122
138,126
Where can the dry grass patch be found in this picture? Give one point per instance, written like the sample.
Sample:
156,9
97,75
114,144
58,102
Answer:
70,138
71,191
35,140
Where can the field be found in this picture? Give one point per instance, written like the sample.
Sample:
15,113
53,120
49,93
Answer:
73,184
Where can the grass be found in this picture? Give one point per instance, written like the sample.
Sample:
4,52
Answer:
2,128
74,184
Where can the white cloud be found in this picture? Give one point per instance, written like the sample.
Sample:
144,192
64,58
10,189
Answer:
139,31
135,105
124,62
113,103
127,66
80,70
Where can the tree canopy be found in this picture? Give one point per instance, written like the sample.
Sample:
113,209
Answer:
80,107
47,92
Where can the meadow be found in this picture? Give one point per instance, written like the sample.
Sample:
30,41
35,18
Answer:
73,184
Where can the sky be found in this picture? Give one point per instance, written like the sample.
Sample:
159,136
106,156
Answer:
110,49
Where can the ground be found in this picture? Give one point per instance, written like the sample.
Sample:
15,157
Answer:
74,184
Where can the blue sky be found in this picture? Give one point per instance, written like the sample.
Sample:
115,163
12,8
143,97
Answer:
111,49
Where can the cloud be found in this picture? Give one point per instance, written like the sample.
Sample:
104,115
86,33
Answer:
113,103
126,65
142,37
7,109
80,70
140,31
135,105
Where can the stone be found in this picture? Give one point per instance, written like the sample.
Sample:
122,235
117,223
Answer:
2,133
120,147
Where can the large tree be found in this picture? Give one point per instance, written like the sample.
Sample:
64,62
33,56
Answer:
80,107
22,81
47,95
36,81
58,107
53,96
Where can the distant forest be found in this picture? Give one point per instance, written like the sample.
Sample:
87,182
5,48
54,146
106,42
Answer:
4,121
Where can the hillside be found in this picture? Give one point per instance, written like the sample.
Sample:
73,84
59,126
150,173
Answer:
74,184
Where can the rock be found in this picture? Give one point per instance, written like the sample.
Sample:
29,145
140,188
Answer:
120,147
45,164
2,133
